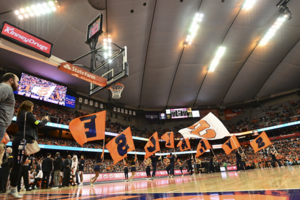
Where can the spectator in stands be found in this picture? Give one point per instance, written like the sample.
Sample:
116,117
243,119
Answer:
31,134
5,168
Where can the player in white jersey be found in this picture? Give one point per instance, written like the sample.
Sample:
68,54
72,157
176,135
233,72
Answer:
74,168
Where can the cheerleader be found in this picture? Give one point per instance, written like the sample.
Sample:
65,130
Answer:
189,162
180,166
132,163
74,169
96,168
147,163
125,162
166,162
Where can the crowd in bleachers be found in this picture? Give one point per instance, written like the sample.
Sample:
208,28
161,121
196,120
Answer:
270,116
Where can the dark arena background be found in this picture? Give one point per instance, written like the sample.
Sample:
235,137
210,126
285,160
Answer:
150,99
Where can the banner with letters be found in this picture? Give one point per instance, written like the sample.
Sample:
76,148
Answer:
184,144
169,138
152,145
209,127
231,144
88,128
119,146
262,141
203,146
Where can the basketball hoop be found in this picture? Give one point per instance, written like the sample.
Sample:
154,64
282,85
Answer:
116,90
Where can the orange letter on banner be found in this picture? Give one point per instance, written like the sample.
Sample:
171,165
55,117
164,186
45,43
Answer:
169,138
262,141
184,144
119,146
231,144
203,146
200,126
152,145
88,128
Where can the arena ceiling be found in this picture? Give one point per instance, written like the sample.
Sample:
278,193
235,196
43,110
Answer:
164,73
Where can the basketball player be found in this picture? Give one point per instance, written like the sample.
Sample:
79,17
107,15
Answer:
154,160
74,169
81,169
133,167
125,162
147,163
172,163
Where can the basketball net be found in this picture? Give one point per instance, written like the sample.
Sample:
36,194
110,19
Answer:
116,90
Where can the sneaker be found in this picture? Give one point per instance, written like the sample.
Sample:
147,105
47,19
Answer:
81,184
130,180
126,180
172,176
14,194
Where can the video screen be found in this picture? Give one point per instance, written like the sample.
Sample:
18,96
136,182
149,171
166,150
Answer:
94,28
36,88
179,113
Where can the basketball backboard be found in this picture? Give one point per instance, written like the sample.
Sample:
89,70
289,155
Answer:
110,63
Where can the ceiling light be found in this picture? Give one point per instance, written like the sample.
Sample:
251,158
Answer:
22,10
20,17
194,28
217,58
17,12
26,16
248,4
37,9
109,61
271,32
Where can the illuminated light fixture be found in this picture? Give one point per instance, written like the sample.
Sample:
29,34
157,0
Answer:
271,32
217,58
193,29
248,4
36,10
107,48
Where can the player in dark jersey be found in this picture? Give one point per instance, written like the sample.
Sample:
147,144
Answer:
154,160
81,169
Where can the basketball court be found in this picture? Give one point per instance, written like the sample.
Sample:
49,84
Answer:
261,184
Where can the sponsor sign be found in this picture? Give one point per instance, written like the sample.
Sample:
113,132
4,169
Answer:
25,39
152,116
230,113
82,74
70,101
229,168
120,175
